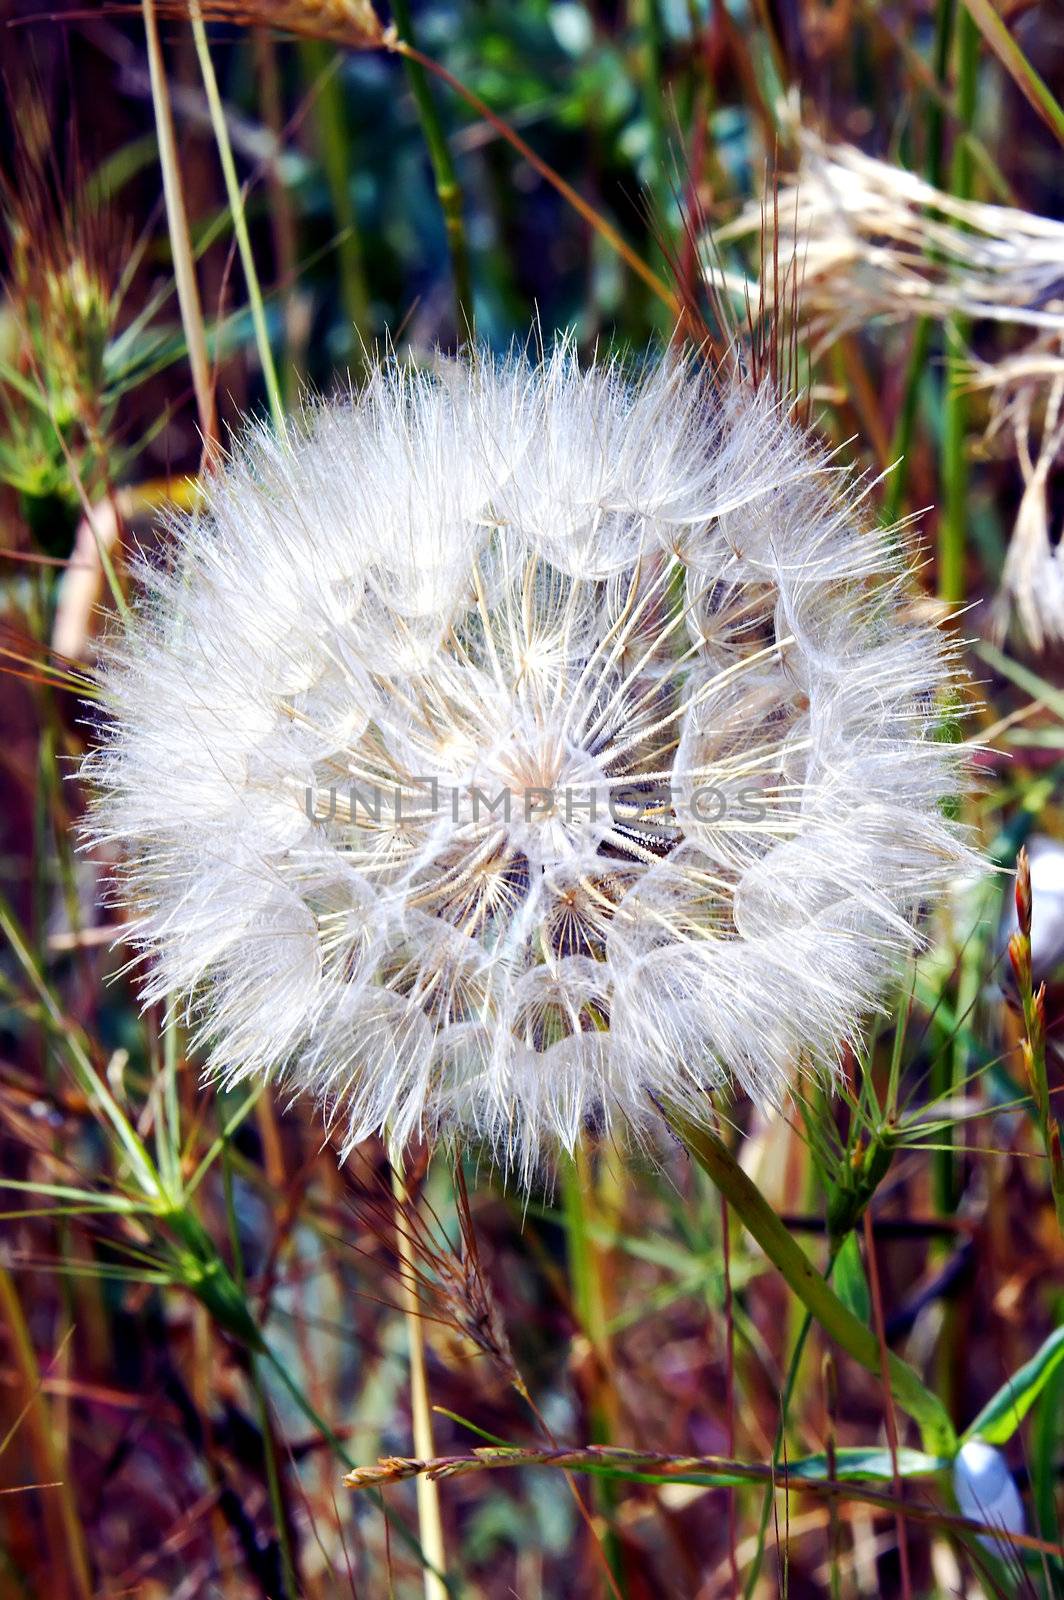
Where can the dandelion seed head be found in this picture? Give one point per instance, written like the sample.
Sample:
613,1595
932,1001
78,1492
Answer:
617,728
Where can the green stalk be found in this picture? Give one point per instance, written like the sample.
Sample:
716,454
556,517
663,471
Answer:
777,1445
1016,64
282,220
951,1067
168,1116
447,190
652,76
240,227
591,1312
820,1300
953,524
902,437
188,297
901,443
321,64
273,1476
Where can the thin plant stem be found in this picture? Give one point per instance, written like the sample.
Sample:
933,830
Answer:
758,1217
589,1303
905,427
188,297
60,1513
240,227
888,1403
273,1476
282,220
582,207
954,519
428,1498
781,1427
447,188
952,531
729,1367
322,66
168,1117
1016,64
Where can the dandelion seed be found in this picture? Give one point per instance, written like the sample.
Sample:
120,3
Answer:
618,725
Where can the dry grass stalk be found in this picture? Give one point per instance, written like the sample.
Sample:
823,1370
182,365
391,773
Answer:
599,1458
877,242
1027,405
447,1281
353,24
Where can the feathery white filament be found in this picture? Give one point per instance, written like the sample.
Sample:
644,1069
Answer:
618,728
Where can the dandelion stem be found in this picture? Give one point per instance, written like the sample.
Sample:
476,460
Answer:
577,1185
240,227
428,1498
757,1216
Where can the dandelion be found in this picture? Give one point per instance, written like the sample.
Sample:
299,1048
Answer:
515,746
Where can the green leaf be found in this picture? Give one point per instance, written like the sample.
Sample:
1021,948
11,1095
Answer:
1016,64
850,1281
1048,1437
857,1462
1038,688
1001,1416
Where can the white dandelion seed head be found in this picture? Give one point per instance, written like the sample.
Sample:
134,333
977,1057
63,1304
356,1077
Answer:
519,744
